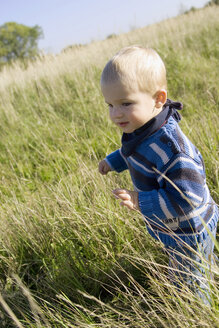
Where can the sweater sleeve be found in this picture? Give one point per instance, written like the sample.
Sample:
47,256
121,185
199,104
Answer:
116,161
182,188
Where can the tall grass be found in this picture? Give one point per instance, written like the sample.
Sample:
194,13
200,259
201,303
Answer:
69,256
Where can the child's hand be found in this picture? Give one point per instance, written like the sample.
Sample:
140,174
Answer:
129,198
104,168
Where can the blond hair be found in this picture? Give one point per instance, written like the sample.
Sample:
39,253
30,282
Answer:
136,66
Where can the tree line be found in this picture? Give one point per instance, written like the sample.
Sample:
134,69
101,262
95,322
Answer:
18,41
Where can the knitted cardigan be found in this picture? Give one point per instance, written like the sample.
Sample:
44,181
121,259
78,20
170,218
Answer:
168,173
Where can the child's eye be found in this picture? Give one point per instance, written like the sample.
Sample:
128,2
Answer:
126,104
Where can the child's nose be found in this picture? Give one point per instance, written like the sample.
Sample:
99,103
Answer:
116,112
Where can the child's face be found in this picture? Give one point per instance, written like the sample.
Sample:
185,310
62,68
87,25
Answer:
128,109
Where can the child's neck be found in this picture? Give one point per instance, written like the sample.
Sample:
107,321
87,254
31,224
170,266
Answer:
157,111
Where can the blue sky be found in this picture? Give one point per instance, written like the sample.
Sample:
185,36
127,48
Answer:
66,22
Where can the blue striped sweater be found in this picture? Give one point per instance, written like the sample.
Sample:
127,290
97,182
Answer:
168,173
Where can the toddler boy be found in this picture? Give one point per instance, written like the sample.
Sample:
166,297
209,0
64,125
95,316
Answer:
166,169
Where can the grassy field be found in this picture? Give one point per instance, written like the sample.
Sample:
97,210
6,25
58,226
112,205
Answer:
70,257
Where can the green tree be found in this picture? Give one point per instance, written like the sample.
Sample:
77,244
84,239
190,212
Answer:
213,2
18,41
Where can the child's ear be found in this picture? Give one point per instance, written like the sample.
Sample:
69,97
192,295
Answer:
160,98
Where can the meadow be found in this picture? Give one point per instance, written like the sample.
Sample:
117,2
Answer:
70,256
